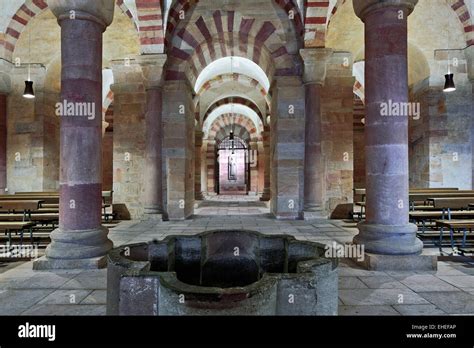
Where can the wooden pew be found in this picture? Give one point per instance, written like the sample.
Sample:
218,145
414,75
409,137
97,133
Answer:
451,202
20,205
9,226
453,225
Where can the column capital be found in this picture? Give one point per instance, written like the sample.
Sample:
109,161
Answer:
315,62
5,79
364,7
101,11
152,69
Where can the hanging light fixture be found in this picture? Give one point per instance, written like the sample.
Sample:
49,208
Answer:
29,92
449,85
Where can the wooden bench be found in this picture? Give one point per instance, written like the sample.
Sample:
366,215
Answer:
451,202
9,226
424,216
453,225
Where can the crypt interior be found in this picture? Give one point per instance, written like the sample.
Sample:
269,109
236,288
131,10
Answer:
338,122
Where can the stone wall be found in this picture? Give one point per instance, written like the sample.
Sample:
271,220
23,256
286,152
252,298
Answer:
33,135
129,141
337,130
441,140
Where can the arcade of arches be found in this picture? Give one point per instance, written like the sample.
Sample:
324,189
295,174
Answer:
275,102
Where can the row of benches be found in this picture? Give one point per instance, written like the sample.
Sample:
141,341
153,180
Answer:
439,209
28,210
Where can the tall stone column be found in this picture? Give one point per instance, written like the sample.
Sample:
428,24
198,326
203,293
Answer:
198,163
287,148
387,234
252,160
152,68
5,88
3,143
315,61
81,240
469,52
266,158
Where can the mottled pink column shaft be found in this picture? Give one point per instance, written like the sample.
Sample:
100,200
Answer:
81,137
153,164
313,174
266,150
3,143
387,229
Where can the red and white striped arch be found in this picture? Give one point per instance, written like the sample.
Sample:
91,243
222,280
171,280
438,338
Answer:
237,78
235,100
150,26
240,124
25,14
225,34
318,16
180,8
462,11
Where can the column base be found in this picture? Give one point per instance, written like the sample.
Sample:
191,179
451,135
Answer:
265,196
389,239
152,217
43,263
314,215
376,262
72,249
199,196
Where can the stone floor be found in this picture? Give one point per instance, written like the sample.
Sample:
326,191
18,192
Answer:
450,290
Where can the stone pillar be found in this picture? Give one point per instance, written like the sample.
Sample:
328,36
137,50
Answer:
387,233
3,143
252,159
315,61
266,158
198,163
261,168
5,88
469,52
81,240
211,167
287,148
178,150
152,67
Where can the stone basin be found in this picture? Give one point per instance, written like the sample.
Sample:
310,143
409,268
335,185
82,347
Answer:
224,272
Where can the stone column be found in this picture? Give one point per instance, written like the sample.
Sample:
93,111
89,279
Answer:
3,143
198,163
81,240
266,151
469,52
252,159
315,61
211,167
152,68
387,233
287,148
5,88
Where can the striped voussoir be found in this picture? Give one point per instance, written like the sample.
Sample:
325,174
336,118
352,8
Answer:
224,34
242,126
318,16
235,100
244,80
462,13
108,100
150,23
359,90
28,11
